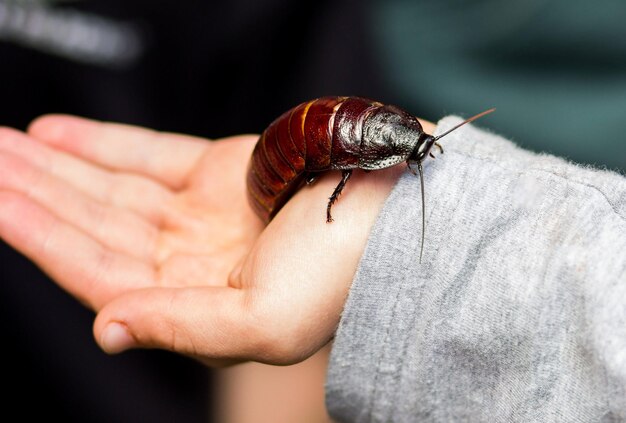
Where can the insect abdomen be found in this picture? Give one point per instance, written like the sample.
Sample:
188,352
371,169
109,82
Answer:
319,135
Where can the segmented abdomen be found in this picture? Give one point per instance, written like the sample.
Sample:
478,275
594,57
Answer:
319,135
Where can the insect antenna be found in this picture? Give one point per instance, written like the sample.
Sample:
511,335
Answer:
419,169
421,172
473,118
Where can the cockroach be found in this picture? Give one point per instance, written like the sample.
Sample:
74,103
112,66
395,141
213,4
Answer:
334,133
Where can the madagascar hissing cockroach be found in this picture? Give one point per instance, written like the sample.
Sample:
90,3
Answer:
334,133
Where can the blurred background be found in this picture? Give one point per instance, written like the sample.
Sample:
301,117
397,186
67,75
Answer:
556,71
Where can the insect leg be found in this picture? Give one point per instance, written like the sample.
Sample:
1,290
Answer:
311,177
408,166
345,175
439,147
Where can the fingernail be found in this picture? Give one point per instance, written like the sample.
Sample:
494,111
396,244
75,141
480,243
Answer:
115,338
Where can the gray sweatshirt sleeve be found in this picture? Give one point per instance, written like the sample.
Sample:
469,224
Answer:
518,309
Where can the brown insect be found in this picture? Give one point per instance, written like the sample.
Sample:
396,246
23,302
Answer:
334,133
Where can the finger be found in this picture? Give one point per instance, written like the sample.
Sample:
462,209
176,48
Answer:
207,322
115,228
118,190
78,263
167,158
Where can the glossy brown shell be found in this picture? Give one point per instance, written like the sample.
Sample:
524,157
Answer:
315,136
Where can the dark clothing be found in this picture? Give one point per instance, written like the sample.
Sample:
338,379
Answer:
200,67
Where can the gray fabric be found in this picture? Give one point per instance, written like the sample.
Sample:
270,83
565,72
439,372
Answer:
518,309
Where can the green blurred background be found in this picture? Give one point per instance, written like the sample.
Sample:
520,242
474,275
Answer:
555,70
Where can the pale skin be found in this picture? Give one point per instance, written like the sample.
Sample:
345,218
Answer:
154,233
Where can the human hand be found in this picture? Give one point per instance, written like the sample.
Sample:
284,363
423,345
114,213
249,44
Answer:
153,232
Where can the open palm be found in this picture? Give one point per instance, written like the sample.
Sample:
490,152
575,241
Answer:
153,231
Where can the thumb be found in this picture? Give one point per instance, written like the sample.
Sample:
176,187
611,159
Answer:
206,322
